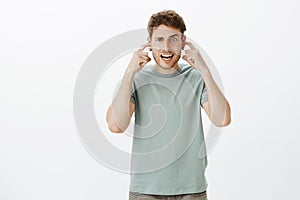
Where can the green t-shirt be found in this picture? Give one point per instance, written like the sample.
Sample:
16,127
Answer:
168,132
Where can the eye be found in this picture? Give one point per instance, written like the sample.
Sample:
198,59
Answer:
173,39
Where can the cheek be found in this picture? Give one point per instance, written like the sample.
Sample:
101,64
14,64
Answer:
156,45
177,50
176,47
155,53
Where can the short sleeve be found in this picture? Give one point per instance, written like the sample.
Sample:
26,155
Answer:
132,94
203,98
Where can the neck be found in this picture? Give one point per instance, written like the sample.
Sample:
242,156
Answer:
167,70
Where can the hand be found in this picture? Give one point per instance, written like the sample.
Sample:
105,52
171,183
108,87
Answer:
139,59
193,57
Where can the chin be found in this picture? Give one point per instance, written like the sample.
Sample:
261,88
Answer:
167,64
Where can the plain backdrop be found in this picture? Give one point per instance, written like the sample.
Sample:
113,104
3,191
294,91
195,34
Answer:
43,44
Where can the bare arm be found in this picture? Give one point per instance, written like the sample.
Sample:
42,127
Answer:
217,107
121,109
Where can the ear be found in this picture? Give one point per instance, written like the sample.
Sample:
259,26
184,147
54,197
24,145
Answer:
149,41
183,39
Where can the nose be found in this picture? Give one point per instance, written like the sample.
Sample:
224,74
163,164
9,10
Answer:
166,45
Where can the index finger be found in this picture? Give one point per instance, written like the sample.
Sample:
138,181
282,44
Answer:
148,44
190,45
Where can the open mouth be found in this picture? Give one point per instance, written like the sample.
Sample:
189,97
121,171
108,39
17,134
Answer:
166,56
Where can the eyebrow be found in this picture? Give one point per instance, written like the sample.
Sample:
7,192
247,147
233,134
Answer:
174,35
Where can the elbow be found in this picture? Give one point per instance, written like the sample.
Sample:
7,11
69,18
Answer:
111,124
223,123
227,122
115,129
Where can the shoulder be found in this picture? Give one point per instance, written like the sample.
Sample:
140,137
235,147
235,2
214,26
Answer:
190,72
147,70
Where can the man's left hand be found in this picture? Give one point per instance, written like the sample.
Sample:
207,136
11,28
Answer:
194,58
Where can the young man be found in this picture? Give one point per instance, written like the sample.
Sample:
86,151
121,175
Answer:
167,98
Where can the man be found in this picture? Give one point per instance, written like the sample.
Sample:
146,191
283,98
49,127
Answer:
167,98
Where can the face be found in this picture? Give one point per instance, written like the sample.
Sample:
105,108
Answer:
166,44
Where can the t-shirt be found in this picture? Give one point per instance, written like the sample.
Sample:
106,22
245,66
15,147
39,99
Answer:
168,132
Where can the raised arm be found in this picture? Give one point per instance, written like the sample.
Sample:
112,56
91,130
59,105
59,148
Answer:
121,109
217,107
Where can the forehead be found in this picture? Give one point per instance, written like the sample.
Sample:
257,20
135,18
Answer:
165,31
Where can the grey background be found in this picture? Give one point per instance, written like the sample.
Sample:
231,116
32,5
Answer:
253,44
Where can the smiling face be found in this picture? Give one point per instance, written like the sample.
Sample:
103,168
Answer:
166,44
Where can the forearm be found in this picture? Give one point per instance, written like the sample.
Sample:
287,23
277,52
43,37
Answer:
218,106
118,115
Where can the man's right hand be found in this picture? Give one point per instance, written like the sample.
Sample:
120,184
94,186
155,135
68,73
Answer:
139,59
121,109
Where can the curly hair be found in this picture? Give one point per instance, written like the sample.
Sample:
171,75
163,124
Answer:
168,18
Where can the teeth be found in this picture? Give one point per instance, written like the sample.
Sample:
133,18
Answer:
166,56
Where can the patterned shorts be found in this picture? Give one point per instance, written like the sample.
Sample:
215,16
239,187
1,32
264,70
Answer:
192,196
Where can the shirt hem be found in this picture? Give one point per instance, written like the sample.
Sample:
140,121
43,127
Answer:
173,191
